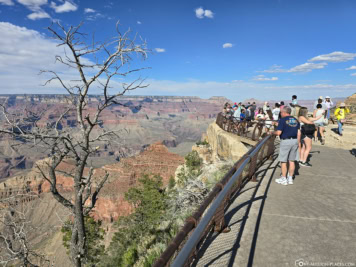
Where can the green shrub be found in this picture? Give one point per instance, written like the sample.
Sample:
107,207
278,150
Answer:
202,143
94,236
193,161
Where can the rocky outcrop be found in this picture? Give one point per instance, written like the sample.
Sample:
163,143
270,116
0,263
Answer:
224,145
351,103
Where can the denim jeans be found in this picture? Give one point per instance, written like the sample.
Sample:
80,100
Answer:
340,126
328,114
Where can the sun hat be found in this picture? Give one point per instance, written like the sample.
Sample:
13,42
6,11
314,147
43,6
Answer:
342,104
321,97
327,97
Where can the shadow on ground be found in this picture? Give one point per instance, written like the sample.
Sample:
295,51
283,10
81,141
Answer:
229,215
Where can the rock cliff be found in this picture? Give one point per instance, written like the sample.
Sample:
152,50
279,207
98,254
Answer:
222,145
351,103
155,159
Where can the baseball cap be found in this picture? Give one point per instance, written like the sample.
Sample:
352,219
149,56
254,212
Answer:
321,97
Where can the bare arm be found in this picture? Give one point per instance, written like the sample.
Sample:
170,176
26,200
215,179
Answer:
307,121
314,113
278,133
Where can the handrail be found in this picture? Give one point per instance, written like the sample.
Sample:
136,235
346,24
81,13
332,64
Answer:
217,199
195,237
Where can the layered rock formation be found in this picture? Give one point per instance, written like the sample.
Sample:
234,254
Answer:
141,120
154,160
224,145
351,103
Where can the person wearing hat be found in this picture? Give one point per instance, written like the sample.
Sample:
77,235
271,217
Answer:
340,114
329,104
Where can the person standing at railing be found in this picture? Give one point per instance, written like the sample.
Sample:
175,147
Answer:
276,112
268,120
253,110
237,112
288,130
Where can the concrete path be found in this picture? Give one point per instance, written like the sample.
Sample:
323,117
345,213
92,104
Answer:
310,223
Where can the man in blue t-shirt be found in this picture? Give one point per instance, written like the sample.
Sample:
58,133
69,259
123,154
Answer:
288,130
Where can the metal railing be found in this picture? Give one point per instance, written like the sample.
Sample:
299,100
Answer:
210,214
232,125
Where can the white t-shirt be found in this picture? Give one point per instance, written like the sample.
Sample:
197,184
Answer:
275,113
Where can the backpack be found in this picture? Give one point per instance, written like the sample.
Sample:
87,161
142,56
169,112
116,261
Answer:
308,129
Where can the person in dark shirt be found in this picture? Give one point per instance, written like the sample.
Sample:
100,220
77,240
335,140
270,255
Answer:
288,130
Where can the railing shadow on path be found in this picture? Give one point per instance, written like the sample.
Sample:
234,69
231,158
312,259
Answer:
229,215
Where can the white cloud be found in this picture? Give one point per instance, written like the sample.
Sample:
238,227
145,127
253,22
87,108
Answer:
139,22
306,67
263,78
160,50
23,53
336,56
7,2
89,10
351,68
66,7
35,7
32,3
200,13
38,15
209,14
322,62
353,74
227,45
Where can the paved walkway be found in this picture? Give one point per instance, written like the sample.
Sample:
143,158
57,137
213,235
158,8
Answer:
310,223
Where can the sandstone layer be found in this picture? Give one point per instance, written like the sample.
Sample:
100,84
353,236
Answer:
224,145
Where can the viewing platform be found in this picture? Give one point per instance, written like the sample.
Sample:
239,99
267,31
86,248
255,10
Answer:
310,222
250,220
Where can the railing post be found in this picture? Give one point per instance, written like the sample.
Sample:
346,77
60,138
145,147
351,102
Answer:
252,168
271,147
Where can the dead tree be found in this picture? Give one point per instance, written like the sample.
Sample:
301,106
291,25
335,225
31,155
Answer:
97,64
15,231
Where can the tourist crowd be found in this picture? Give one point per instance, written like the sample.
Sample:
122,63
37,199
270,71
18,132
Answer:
294,126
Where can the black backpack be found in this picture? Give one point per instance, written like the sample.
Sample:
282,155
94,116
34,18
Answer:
308,129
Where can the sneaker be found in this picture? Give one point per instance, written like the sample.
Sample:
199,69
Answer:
301,163
282,181
305,164
323,141
290,179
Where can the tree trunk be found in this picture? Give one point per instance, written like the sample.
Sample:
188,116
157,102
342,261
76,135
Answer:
78,240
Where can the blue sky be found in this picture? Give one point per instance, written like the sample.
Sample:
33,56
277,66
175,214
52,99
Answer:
267,49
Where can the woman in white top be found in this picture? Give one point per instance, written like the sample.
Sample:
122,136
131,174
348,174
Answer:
268,120
319,113
260,115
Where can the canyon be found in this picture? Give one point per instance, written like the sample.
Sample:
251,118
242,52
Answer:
178,122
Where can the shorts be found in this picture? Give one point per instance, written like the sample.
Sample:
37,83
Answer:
310,136
288,150
319,124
